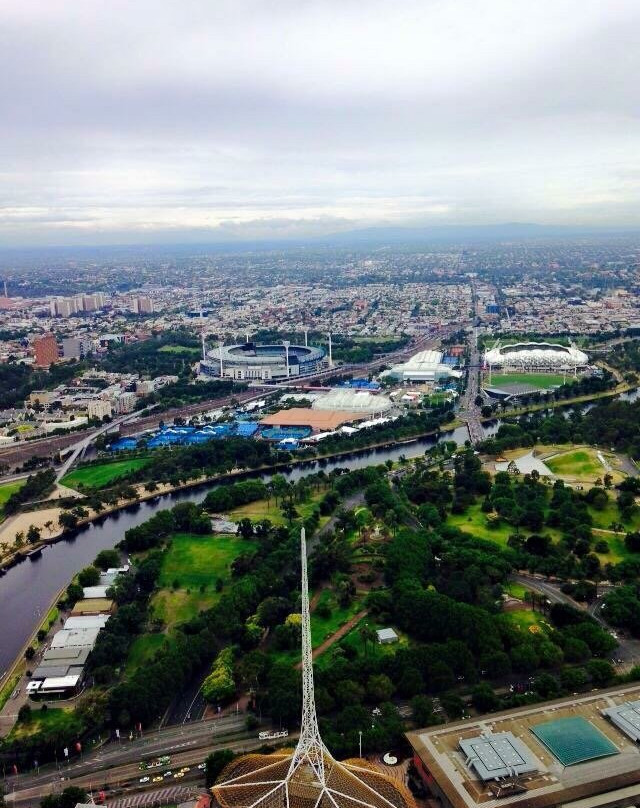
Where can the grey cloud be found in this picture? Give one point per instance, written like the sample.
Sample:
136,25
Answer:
187,114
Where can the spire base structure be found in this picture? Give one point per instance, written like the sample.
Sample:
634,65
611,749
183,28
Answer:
308,777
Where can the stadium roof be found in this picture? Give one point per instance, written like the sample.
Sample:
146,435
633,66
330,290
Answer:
350,400
626,717
320,420
574,740
500,755
423,366
535,354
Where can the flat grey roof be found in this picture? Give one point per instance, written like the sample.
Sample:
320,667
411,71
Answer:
626,717
500,755
75,638
82,621
58,656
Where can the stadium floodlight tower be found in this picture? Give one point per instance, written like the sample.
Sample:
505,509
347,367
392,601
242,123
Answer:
204,350
286,344
308,777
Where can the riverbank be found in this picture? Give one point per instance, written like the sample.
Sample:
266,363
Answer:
166,489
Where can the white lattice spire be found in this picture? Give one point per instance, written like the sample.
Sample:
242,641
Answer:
310,748
309,777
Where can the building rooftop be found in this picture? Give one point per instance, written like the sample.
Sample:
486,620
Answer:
574,740
500,755
563,759
626,717
318,420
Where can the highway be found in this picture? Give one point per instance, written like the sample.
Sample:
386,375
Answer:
116,765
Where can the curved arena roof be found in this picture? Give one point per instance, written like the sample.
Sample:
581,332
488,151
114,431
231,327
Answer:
251,354
536,354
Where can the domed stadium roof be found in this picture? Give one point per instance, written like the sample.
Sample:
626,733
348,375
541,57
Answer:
536,354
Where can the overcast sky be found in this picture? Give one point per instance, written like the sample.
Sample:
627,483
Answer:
155,120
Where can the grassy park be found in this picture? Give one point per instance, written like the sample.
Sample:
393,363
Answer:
475,522
7,490
53,719
142,649
582,464
527,620
267,509
101,474
191,567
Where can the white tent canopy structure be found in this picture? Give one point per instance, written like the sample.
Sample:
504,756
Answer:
540,356
309,777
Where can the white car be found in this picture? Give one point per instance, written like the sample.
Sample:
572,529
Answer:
202,765
145,779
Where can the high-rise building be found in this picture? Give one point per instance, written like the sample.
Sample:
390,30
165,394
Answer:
46,350
142,305
63,306
99,408
75,347
89,303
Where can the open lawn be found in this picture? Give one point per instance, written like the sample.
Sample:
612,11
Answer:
542,381
610,514
475,522
54,719
142,649
101,474
7,490
323,627
267,509
193,563
528,620
578,464
195,560
178,606
516,590
372,649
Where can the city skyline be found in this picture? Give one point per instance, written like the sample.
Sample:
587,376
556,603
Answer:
193,123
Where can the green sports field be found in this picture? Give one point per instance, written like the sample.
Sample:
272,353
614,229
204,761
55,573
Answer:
542,381
101,474
189,350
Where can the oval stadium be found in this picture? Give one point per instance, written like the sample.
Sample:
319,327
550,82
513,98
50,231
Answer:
535,356
263,362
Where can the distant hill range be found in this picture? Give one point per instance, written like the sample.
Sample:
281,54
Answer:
380,237
452,234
